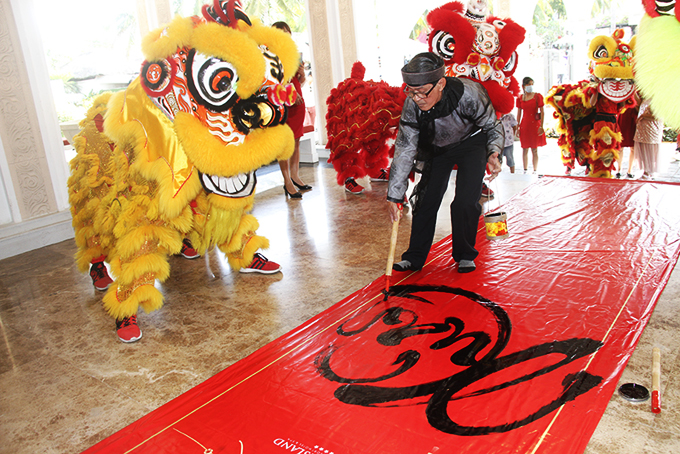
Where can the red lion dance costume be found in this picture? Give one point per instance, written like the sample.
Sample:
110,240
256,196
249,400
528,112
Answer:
477,47
587,111
361,123
363,116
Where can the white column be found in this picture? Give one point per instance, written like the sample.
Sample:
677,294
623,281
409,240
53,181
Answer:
322,67
32,145
34,170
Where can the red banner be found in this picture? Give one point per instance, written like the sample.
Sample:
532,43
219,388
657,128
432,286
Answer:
521,355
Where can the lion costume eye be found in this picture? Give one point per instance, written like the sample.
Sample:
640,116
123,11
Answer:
512,62
499,24
212,81
601,52
157,77
443,44
602,48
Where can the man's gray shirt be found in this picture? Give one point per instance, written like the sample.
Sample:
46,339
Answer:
474,111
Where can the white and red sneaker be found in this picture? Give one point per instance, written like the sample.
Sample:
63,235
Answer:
384,175
100,276
262,265
127,329
188,251
353,187
486,191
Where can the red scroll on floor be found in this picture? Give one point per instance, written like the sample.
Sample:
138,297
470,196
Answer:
522,355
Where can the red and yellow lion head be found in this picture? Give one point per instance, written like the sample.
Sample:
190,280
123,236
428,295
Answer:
480,48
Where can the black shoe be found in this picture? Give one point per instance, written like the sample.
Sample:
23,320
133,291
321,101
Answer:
295,195
301,187
405,265
466,266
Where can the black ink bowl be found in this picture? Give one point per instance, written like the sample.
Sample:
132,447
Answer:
633,392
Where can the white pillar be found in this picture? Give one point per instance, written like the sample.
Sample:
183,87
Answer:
32,160
31,141
333,48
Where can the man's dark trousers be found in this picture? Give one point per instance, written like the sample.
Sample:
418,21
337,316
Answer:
470,157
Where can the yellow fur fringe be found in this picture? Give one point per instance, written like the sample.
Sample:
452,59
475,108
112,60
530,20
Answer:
211,155
163,42
146,296
243,258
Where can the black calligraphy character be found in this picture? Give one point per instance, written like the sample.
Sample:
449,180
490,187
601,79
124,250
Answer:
402,324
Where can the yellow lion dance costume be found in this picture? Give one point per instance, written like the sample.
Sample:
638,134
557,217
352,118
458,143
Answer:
588,110
174,155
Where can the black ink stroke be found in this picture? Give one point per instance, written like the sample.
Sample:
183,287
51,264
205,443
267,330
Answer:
402,324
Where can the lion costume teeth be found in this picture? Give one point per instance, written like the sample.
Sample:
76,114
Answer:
174,155
242,185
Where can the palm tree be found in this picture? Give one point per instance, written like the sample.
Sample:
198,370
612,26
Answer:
549,17
600,8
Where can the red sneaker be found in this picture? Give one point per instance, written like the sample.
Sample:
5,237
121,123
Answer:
353,187
127,329
188,251
486,191
383,176
100,276
262,265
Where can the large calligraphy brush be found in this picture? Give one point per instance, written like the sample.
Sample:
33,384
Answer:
390,256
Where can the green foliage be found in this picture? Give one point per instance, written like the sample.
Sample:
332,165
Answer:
421,26
549,17
669,135
601,8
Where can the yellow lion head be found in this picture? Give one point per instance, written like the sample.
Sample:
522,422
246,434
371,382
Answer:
611,62
219,85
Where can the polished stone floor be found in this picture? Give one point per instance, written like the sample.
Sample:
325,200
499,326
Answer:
67,382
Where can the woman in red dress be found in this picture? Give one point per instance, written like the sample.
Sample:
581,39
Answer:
530,119
626,123
295,120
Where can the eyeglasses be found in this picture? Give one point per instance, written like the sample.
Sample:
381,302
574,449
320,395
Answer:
411,93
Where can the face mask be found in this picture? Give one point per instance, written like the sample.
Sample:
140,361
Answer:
529,89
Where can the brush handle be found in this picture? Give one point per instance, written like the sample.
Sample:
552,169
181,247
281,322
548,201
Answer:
656,380
390,256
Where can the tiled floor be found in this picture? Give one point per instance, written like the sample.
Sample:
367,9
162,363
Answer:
67,382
